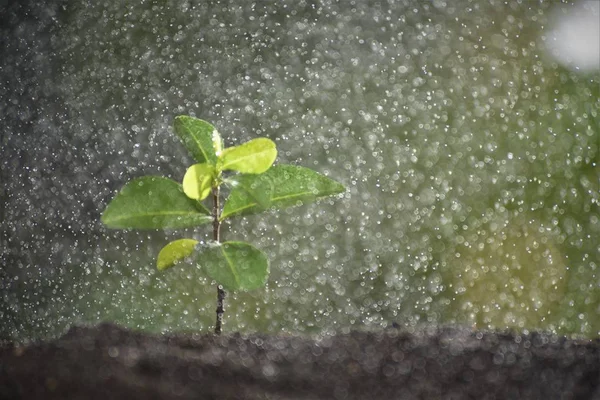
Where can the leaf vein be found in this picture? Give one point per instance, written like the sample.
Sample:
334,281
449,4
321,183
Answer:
250,205
156,214
233,271
253,155
198,143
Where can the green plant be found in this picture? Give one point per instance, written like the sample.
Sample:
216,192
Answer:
153,202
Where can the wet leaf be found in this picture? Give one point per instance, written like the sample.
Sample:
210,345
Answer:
174,252
292,185
217,142
253,157
197,137
154,202
197,181
257,187
235,265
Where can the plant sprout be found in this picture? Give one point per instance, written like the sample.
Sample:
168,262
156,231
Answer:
153,202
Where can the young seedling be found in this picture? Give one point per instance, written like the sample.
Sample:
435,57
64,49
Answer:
153,202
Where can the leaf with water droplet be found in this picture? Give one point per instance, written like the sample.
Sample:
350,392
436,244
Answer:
258,187
292,185
217,142
197,136
198,180
175,251
154,202
235,265
253,157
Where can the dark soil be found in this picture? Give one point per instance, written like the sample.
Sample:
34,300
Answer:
110,362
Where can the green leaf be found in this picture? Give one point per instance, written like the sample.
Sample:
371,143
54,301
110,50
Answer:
235,265
154,202
292,185
197,137
217,142
197,181
256,186
253,157
174,252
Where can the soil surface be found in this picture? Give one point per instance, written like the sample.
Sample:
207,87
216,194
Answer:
110,362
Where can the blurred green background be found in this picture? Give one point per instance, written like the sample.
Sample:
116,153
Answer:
471,159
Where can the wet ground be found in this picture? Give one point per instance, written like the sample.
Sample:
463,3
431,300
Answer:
108,361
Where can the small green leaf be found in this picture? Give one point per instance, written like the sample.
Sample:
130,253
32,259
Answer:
235,265
217,142
291,185
253,157
154,202
197,181
255,186
197,136
175,251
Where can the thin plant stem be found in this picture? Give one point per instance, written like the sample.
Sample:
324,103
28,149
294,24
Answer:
217,238
215,214
220,309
